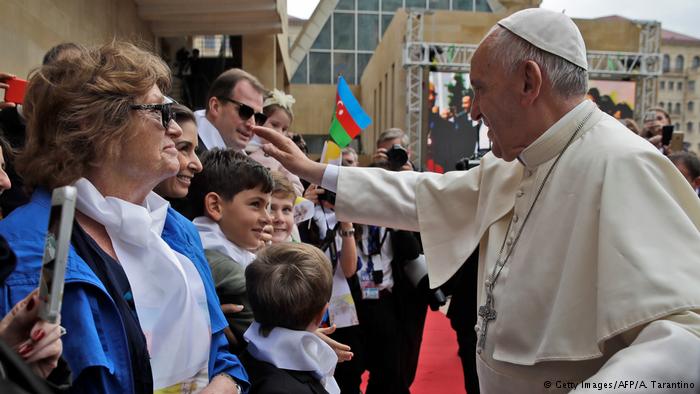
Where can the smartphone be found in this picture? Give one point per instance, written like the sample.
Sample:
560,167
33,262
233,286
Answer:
53,267
666,134
676,144
15,90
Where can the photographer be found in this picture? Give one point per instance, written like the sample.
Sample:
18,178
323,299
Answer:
392,147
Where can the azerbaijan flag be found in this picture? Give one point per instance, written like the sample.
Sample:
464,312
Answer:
349,118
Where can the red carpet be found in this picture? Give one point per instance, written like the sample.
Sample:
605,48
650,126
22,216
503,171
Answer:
439,366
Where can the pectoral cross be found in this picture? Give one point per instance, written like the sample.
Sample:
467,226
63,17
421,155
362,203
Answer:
487,313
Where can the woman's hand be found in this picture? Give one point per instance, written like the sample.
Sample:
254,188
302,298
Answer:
221,385
36,341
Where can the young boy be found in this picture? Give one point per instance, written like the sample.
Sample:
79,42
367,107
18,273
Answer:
230,198
282,209
289,288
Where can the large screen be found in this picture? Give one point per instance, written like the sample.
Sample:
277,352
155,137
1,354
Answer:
616,98
453,136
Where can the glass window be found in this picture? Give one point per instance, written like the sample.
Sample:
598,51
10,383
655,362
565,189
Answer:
662,85
415,3
691,86
466,5
661,104
368,5
679,85
670,85
690,126
669,108
678,111
386,20
300,74
391,5
362,60
696,62
482,6
667,64
691,106
367,31
319,67
439,4
677,126
345,5
679,63
343,31
344,63
323,41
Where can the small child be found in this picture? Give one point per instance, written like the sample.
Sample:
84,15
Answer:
230,198
282,209
289,288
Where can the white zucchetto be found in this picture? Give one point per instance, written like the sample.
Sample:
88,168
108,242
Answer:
549,31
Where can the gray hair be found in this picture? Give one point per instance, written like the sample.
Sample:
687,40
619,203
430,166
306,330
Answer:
566,78
393,133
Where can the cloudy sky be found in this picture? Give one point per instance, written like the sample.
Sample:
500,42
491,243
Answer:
681,16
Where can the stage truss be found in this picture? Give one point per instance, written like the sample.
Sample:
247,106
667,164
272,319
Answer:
643,67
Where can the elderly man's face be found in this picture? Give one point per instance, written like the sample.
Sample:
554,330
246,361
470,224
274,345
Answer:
496,103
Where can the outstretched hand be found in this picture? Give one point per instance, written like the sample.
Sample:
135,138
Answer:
290,156
341,350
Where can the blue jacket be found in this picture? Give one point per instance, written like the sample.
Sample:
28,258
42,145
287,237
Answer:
96,337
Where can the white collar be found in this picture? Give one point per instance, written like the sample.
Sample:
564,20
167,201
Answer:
214,239
296,351
552,141
208,133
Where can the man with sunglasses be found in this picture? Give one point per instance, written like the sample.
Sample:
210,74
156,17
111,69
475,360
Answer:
234,106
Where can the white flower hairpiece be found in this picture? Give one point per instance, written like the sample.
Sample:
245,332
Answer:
280,98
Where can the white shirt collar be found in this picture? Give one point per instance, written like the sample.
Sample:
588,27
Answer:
214,239
296,351
208,132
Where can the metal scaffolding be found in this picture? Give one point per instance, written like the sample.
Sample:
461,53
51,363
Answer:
643,66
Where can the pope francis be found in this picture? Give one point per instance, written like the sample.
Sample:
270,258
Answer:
589,268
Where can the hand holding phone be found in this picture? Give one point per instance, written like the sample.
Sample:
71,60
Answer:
666,134
53,267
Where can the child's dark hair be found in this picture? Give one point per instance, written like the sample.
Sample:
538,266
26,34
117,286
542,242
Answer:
288,286
226,173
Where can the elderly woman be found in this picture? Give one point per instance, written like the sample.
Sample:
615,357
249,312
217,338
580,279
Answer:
139,304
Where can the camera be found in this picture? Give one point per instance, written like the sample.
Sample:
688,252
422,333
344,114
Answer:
327,196
397,156
416,271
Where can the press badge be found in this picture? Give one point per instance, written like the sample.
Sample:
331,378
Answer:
370,291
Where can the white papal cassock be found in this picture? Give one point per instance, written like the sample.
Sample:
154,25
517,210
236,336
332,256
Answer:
604,283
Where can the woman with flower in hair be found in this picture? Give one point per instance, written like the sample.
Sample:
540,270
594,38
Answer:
278,109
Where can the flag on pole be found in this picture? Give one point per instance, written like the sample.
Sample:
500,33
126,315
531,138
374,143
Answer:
331,153
349,118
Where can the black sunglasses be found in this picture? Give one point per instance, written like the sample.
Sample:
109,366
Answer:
166,111
245,112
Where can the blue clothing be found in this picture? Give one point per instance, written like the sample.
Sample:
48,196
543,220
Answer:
96,346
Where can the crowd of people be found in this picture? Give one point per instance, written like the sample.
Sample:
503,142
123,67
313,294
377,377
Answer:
194,268
185,253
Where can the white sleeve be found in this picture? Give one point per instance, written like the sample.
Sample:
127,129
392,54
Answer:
330,178
666,352
376,196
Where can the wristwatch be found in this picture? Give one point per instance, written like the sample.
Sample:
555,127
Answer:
346,233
